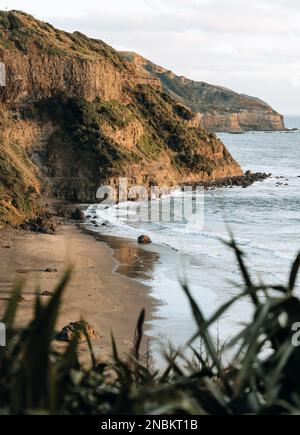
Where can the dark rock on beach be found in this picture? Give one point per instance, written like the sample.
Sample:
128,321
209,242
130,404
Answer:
81,329
144,240
68,212
43,223
78,215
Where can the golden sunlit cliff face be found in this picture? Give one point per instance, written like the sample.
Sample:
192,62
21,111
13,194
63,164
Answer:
75,114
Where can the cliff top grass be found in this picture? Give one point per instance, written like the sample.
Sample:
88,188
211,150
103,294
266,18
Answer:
23,32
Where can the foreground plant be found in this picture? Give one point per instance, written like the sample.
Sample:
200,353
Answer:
262,376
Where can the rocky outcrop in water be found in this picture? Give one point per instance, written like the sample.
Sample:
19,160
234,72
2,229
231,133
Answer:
243,181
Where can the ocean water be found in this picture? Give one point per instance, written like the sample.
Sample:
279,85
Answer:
265,219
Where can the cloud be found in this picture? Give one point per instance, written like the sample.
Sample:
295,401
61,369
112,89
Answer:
234,43
225,16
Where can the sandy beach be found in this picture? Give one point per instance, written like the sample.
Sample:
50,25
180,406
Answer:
105,299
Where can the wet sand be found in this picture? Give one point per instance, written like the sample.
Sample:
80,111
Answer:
96,292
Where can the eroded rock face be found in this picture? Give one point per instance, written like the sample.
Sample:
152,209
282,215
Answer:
37,75
260,119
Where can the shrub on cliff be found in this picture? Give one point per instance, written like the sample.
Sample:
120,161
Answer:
81,120
169,130
17,194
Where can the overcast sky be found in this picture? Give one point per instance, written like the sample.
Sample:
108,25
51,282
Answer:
251,46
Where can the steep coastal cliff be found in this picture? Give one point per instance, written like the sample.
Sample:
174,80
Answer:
219,109
75,114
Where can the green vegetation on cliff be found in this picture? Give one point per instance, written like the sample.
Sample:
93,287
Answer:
18,187
163,121
81,120
169,130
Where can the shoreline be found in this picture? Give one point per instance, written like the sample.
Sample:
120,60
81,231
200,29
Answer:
111,301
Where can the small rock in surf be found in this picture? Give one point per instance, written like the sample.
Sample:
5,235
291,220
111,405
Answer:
144,240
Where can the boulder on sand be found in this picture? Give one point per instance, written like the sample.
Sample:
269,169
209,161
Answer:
51,270
43,223
81,329
144,240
